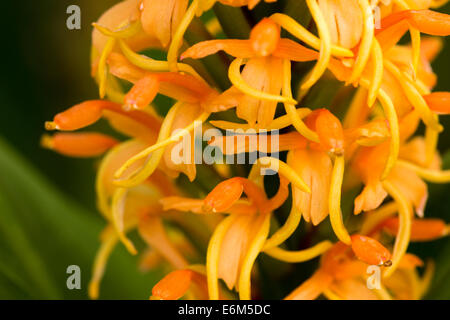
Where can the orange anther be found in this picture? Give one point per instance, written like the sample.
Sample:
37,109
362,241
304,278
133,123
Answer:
438,102
370,250
79,144
143,92
224,195
421,229
79,116
264,37
173,286
329,129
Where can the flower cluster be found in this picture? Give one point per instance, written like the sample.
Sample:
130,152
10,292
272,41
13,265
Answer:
365,140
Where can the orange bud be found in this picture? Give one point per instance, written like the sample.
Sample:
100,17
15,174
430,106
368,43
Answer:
143,92
329,129
438,102
173,286
264,37
421,229
79,116
79,144
224,195
370,250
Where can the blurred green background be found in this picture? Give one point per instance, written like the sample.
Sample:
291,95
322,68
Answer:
48,218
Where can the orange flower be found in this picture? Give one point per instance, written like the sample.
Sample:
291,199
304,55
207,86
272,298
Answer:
256,92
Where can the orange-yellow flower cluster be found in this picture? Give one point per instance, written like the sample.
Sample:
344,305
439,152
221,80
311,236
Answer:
370,142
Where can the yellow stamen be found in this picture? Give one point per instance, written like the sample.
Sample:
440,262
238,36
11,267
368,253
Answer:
234,73
377,77
383,293
301,255
325,46
102,69
427,277
284,232
212,256
149,64
438,3
156,151
366,40
118,211
414,97
435,176
124,32
415,44
431,141
331,295
334,200
391,115
101,258
252,253
405,215
374,218
352,117
290,108
297,30
276,124
282,168
177,40
415,39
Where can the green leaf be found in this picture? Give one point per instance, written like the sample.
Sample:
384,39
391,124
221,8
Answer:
42,232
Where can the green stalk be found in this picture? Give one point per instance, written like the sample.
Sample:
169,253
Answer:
233,21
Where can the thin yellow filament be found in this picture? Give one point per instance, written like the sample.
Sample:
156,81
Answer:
234,73
282,168
101,258
102,69
391,115
177,40
414,97
431,141
366,40
427,277
383,293
374,218
156,151
325,46
124,32
331,295
212,256
334,200
284,232
415,38
151,164
357,105
438,3
290,108
118,211
300,32
404,232
415,44
377,76
149,64
301,255
249,259
435,176
276,124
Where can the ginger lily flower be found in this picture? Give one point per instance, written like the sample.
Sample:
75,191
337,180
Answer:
343,275
256,92
366,140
